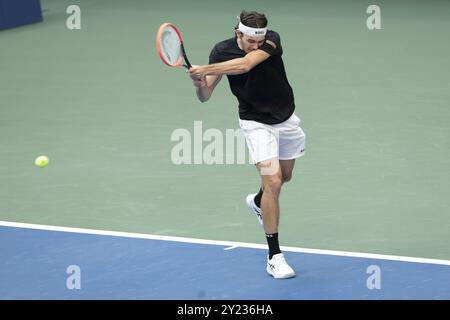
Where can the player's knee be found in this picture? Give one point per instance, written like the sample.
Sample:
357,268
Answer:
273,185
287,177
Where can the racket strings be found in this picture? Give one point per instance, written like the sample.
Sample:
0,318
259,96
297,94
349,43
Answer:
170,45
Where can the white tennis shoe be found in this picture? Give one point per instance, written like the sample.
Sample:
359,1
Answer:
250,200
278,268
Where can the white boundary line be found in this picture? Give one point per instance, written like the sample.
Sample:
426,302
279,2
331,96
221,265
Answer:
221,243
231,248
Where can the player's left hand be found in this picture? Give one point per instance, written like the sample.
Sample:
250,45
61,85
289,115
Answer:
196,72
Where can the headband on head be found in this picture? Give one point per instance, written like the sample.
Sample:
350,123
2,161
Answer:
252,32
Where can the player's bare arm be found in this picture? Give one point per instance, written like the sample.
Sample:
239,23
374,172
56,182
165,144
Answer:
231,67
205,86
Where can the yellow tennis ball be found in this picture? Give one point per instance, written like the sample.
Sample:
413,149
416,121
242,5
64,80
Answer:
41,161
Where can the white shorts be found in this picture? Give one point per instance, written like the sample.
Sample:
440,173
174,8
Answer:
283,141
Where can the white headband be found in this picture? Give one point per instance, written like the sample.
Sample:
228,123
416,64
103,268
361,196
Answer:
252,32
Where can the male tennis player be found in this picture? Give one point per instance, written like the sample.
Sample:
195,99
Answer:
252,62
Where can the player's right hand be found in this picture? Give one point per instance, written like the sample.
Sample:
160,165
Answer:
198,82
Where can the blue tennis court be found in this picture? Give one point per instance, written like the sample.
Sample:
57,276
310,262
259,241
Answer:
126,266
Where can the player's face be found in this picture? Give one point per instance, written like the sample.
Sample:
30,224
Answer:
248,43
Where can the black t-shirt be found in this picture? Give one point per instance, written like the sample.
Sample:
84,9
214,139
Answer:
263,93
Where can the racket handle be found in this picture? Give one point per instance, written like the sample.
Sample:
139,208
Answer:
187,65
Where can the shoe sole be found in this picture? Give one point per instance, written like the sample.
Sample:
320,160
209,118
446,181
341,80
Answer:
289,275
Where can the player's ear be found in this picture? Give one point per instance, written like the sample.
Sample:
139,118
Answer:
238,33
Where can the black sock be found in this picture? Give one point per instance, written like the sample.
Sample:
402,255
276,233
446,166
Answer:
274,246
258,198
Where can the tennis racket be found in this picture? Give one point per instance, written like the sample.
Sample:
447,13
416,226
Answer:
169,45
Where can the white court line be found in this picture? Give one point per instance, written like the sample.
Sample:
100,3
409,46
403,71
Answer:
221,243
230,248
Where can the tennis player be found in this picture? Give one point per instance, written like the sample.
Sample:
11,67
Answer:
256,74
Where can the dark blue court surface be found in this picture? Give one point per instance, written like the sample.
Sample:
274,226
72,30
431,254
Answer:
34,265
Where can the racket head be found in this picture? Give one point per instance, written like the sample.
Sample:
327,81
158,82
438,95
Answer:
168,45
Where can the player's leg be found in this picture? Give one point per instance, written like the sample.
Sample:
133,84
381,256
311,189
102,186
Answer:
271,176
262,141
254,199
290,142
271,187
287,166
